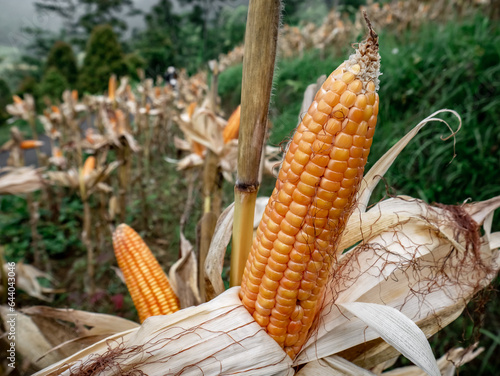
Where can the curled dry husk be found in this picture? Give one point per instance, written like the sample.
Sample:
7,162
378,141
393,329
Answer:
92,181
20,180
419,263
45,335
205,128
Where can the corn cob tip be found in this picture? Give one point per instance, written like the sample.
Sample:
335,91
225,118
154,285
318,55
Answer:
364,63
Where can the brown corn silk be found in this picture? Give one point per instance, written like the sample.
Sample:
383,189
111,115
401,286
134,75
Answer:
146,281
295,245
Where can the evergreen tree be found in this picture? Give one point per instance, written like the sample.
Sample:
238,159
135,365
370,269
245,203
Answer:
103,57
53,85
62,59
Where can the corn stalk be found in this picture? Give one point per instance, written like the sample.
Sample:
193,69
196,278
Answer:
258,68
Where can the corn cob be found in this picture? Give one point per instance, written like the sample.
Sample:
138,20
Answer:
74,95
147,283
197,148
232,128
191,108
17,99
294,247
30,144
88,166
57,152
112,87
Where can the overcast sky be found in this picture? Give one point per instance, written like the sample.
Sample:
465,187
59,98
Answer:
16,14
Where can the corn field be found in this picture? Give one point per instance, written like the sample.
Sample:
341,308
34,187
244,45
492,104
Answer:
316,279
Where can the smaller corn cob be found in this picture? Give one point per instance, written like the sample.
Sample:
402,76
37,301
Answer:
30,144
232,128
57,152
17,99
197,148
146,281
191,108
74,95
88,166
112,87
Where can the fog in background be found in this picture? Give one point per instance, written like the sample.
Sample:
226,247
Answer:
18,14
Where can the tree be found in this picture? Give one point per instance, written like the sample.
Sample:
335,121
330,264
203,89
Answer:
191,39
103,57
159,42
62,59
53,85
80,17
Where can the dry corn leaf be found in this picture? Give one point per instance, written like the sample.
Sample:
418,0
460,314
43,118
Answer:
31,344
20,180
372,177
215,257
397,330
27,281
46,335
448,363
332,366
93,180
183,275
84,323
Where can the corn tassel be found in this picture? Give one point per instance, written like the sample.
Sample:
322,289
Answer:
232,128
146,281
295,245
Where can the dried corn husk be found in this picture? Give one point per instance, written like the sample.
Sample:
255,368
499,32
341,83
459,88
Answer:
20,180
183,275
27,281
46,335
92,181
205,128
191,341
448,363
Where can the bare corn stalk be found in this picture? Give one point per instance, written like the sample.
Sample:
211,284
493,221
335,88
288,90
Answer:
212,179
261,39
